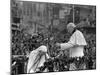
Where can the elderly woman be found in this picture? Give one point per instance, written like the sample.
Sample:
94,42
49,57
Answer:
37,58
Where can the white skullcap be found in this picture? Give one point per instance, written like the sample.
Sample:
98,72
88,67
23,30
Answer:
71,25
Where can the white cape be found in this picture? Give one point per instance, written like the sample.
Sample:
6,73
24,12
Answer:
36,59
75,44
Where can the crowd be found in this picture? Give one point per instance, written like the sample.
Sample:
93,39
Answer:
23,44
62,62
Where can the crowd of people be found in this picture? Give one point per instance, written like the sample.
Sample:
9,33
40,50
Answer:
23,44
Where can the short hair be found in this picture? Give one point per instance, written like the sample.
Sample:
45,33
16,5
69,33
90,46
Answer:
71,25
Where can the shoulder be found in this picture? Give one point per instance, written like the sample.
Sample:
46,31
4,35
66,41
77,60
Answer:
78,32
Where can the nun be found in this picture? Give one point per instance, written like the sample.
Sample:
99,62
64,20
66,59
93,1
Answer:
37,58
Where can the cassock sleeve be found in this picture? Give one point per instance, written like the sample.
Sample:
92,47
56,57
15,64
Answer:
69,44
76,39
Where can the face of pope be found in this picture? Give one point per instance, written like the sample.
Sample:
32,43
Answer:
70,29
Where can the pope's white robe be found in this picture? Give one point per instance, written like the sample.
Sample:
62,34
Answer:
75,44
36,59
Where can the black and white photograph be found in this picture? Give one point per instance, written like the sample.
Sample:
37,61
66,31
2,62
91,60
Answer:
51,37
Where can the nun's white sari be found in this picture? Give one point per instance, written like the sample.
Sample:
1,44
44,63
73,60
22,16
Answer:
37,58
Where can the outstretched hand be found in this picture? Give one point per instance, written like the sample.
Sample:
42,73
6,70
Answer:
57,45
